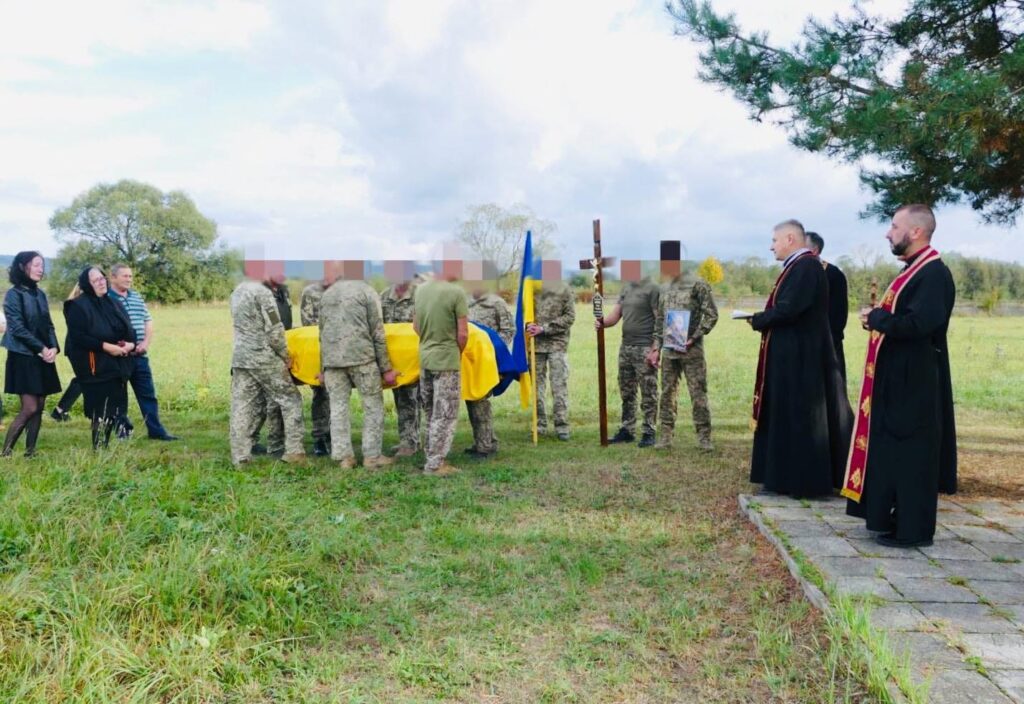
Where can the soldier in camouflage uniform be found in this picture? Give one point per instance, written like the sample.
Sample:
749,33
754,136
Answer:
637,307
440,320
488,309
270,413
397,307
354,354
309,314
260,371
555,311
685,293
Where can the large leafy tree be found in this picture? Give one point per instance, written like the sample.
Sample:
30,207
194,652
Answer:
931,104
169,244
498,234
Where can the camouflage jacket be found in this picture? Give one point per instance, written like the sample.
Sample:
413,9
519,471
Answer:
309,303
351,327
492,311
692,294
398,309
556,312
258,331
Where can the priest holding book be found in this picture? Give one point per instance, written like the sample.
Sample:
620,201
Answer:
801,416
904,443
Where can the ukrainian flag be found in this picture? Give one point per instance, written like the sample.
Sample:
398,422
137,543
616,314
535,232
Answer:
529,283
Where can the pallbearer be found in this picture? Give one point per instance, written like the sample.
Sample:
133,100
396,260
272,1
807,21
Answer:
904,442
801,415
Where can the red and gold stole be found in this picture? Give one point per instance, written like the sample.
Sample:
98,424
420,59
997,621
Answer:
766,336
857,460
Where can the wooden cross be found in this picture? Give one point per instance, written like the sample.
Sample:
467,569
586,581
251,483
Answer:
597,264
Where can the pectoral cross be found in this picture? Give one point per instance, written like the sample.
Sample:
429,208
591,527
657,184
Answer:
597,264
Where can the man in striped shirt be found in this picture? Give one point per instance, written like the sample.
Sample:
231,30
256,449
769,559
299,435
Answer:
142,378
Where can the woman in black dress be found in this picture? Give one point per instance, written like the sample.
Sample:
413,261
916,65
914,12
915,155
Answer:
32,348
99,345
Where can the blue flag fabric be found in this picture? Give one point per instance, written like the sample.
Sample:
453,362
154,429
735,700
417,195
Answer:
507,369
528,273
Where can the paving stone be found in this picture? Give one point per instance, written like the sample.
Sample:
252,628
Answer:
812,528
866,586
787,513
835,567
968,618
841,521
960,687
996,650
1016,612
895,567
937,590
983,534
823,547
1011,682
897,617
926,648
1014,551
1000,592
954,550
959,518
871,548
976,569
771,500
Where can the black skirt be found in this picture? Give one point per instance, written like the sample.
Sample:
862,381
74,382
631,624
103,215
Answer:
105,399
29,374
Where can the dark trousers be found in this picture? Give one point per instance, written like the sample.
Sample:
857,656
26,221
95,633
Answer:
145,393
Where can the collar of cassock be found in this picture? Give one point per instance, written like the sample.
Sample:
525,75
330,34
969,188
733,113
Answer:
793,256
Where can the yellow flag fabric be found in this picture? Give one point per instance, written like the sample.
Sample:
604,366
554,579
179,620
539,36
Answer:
479,362
530,287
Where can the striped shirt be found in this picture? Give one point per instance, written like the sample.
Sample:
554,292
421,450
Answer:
136,308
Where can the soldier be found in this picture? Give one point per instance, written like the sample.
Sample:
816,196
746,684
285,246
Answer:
354,354
309,314
488,309
271,414
397,307
686,313
440,320
637,307
260,371
555,312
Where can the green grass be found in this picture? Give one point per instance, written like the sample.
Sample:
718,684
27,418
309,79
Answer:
557,573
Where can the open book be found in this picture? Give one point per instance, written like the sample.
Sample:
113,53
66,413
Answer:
741,315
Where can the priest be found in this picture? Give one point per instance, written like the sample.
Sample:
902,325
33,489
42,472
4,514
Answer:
801,416
904,444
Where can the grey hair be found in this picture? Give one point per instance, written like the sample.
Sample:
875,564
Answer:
116,269
791,224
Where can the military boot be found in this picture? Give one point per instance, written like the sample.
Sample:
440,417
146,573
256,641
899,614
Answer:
622,436
647,440
664,439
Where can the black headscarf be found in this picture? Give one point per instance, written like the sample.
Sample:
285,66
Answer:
17,274
111,311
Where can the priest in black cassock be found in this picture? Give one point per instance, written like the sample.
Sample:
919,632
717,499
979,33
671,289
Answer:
838,299
904,448
802,417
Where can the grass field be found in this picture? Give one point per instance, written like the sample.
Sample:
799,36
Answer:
155,573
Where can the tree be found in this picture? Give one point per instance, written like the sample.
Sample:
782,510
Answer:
169,244
711,271
936,96
498,235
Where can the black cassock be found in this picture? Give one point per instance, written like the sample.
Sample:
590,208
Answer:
838,311
912,443
803,432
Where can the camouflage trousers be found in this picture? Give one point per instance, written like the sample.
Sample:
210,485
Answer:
407,408
321,412
482,422
252,391
339,382
555,364
634,373
440,392
691,365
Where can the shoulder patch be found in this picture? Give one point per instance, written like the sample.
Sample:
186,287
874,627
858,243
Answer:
273,316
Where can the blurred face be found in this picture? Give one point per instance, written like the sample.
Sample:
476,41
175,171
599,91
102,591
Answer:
34,269
122,280
98,282
900,234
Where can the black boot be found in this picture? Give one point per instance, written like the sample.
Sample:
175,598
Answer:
320,448
622,436
647,440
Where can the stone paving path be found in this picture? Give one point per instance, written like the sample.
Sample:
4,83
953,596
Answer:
956,609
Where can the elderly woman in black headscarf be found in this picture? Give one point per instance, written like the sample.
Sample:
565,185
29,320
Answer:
99,345
32,348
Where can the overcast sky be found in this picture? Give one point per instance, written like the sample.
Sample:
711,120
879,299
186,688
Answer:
365,128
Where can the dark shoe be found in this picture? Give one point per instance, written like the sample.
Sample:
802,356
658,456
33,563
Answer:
278,454
60,416
478,455
889,540
622,436
320,448
258,449
563,436
647,440
166,438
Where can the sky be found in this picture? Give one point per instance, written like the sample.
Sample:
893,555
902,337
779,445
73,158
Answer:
367,128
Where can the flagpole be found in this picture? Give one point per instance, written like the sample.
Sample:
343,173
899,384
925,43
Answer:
533,384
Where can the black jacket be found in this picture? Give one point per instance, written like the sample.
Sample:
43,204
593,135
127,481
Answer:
28,313
91,322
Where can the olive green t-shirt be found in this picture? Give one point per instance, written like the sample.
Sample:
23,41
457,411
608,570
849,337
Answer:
438,307
639,301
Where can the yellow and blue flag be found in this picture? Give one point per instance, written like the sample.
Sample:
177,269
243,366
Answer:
529,281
